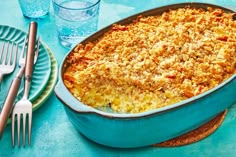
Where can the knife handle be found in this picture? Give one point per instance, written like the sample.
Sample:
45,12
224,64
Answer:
30,57
9,101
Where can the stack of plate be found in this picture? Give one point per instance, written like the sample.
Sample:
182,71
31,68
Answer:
45,70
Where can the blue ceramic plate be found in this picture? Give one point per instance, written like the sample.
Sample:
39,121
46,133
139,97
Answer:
42,68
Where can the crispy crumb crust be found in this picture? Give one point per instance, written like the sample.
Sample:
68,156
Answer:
155,61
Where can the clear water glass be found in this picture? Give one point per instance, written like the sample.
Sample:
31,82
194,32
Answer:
34,8
75,20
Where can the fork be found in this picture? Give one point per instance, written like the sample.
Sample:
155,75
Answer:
8,59
23,108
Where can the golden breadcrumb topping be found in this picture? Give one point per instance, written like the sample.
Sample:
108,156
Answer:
155,61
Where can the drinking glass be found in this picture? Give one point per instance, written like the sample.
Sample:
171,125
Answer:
34,8
75,19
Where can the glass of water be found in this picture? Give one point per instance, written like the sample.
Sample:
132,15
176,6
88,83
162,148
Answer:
34,8
75,20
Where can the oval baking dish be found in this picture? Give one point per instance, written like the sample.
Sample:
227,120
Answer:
150,127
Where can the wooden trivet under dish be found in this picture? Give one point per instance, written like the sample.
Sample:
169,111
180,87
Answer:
195,135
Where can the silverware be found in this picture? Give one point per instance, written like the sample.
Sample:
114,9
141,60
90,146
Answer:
14,87
23,108
7,59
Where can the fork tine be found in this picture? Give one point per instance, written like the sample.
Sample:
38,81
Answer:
18,129
24,125
8,62
5,57
30,126
13,130
15,56
3,45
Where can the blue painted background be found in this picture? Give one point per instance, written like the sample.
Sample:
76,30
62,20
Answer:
53,134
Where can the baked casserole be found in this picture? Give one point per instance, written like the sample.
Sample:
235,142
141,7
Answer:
154,61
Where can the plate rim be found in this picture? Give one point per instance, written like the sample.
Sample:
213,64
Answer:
19,40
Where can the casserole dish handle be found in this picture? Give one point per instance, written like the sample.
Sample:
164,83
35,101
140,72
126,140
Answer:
69,100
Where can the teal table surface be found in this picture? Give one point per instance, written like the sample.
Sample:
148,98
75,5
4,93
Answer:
54,135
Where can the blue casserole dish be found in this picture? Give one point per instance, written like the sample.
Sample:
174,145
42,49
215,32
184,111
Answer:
151,127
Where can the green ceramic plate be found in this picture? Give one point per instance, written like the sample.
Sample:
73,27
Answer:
42,68
50,84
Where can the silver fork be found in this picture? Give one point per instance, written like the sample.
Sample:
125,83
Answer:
8,60
23,108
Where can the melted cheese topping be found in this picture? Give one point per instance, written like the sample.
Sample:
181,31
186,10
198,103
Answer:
155,61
